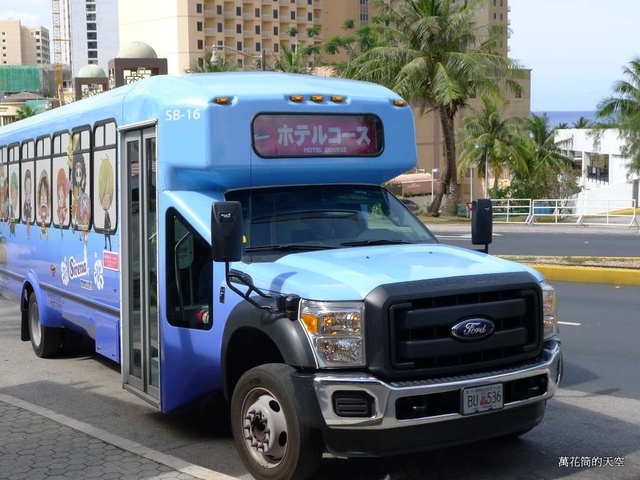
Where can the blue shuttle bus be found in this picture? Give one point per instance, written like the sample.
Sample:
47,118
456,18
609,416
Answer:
230,233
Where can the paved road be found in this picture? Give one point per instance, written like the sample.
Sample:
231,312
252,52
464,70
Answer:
600,341
548,240
593,417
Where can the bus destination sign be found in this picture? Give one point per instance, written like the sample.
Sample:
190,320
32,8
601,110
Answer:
283,135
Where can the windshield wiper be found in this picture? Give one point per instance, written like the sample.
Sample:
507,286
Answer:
374,242
289,248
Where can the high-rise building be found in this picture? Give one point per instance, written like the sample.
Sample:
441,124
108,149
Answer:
184,31
22,45
94,33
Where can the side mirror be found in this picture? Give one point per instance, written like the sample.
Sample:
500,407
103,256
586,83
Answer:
482,223
226,231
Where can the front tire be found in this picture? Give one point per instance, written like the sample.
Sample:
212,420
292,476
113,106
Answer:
271,440
46,341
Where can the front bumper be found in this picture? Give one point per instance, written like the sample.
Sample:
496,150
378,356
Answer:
385,396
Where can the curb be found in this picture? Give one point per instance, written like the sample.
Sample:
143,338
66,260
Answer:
614,276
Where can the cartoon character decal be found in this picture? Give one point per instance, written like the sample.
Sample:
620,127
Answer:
14,207
27,208
4,198
79,184
3,252
105,194
78,179
84,216
44,207
62,192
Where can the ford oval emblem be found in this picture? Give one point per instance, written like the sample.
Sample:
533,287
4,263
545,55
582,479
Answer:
472,329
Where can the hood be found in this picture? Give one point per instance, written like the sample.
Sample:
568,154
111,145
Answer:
351,273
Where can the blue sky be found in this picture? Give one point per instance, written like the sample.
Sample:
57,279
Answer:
29,12
575,48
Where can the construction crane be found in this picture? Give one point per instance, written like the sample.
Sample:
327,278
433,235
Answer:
61,20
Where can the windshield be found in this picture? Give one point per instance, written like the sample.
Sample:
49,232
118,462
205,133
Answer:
313,217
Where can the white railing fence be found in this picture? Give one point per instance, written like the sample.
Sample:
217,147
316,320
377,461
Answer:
573,211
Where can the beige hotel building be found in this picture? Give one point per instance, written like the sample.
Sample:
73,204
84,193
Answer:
183,31
22,45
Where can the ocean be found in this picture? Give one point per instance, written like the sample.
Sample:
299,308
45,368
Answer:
569,118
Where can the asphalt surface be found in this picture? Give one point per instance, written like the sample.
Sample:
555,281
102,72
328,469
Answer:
580,274
36,443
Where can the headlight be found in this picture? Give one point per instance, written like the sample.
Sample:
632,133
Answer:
336,331
549,307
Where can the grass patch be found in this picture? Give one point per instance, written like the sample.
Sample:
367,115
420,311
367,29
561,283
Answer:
573,261
579,260
443,220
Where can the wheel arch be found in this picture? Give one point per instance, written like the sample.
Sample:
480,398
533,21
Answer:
254,337
48,316
27,290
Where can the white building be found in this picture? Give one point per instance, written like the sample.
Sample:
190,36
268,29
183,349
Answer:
95,33
605,173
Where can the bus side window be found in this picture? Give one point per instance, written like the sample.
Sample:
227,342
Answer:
189,275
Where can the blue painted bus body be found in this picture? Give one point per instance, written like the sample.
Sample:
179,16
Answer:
205,151
351,274
197,163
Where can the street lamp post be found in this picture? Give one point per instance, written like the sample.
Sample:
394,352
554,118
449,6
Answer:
433,172
471,167
486,167
486,171
471,182
262,57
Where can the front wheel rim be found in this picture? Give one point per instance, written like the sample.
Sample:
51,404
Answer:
264,428
34,322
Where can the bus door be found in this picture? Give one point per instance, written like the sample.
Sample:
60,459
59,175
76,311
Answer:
139,292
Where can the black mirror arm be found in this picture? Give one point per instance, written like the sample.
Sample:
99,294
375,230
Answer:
483,250
234,276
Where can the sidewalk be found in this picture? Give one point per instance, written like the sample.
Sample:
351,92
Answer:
38,444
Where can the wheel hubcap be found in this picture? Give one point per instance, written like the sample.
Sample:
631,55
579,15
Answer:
264,427
34,321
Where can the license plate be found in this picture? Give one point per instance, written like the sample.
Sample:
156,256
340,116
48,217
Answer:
482,399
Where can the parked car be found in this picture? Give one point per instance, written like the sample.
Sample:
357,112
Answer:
410,204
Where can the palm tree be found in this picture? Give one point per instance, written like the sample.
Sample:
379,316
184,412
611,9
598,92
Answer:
547,152
491,142
299,58
582,122
25,112
360,39
622,110
207,66
434,57
295,59
548,173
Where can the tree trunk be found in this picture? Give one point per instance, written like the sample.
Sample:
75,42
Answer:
449,179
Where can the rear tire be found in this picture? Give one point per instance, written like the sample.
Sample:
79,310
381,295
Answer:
271,440
46,341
